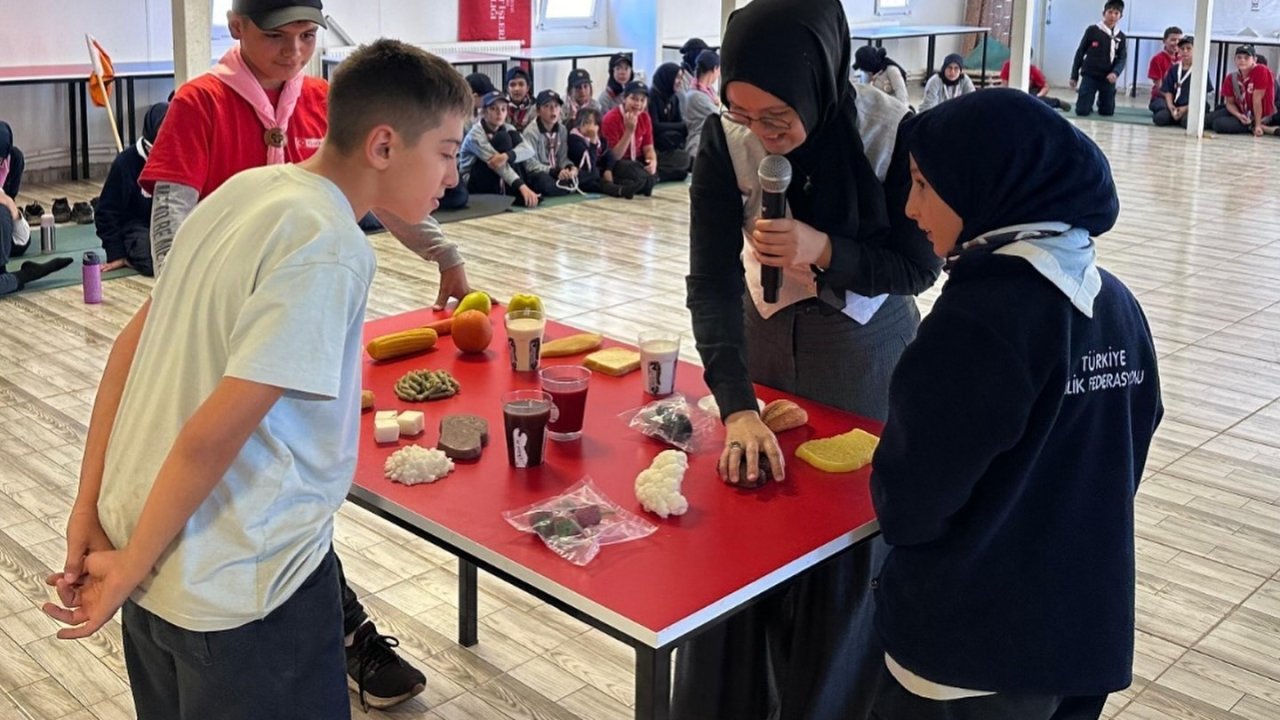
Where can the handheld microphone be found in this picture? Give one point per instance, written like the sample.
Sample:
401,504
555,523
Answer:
775,176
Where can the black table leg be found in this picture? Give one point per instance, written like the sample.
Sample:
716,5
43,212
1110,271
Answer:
933,44
1133,88
120,118
133,111
531,85
84,126
74,124
467,612
985,36
653,683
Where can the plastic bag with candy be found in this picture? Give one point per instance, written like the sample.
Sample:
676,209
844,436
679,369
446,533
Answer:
673,420
576,523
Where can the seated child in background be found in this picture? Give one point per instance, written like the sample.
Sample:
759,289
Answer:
494,156
550,142
12,163
1099,62
594,161
701,100
883,73
689,53
620,74
669,131
1038,86
15,240
948,84
1250,96
580,94
1023,409
480,85
1160,65
123,219
520,97
627,131
1176,90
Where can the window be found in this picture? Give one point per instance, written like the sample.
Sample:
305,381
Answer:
568,14
893,7
220,34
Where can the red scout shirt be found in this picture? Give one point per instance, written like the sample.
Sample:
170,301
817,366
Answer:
210,133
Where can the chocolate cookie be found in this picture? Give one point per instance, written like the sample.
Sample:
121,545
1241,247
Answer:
463,437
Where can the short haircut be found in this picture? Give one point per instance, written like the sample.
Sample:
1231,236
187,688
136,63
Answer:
1172,30
388,82
1114,5
1186,40
585,114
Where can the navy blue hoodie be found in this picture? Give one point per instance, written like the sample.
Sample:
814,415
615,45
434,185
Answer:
1019,420
121,205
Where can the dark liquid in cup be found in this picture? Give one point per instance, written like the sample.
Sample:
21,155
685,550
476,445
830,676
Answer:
571,404
525,422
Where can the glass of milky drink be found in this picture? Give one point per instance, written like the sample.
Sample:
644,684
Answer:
525,415
524,338
659,356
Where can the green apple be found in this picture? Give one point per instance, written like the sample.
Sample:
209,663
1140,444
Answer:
474,301
524,301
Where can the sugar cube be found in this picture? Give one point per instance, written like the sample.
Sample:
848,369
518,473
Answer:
385,415
386,431
411,422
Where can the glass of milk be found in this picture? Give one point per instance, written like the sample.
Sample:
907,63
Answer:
524,338
659,356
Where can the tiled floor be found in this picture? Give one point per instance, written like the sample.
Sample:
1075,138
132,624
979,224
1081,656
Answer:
1198,240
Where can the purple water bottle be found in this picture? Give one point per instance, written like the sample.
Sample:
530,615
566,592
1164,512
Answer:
92,278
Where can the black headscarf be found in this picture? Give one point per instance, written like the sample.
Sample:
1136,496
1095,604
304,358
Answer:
689,52
6,139
662,93
799,51
952,59
875,60
1040,169
614,61
151,123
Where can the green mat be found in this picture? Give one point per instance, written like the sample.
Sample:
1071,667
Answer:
72,242
558,201
478,206
1126,115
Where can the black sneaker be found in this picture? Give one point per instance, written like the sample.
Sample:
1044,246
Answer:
377,674
34,212
61,210
93,203
82,213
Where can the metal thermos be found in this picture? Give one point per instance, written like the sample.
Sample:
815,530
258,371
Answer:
48,234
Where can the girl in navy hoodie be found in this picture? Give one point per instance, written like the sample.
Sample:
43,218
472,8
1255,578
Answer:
1019,423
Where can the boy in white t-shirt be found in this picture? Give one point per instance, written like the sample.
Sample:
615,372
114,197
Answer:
223,438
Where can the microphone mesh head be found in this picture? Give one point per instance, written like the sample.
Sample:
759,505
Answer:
775,174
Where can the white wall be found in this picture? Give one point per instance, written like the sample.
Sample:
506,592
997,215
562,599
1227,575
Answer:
913,53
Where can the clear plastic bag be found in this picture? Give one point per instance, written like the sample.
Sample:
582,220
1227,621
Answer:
673,420
578,521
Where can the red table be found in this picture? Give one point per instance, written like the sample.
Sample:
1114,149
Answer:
729,549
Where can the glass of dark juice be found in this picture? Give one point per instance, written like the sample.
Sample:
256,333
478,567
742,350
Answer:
525,414
567,385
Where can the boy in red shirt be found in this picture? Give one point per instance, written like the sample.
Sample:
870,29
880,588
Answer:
256,108
1160,64
1250,95
627,132
1039,86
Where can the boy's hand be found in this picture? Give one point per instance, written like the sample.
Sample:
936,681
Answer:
530,197
629,119
84,535
1112,77
497,161
651,165
1257,130
110,577
1071,84
453,284
114,265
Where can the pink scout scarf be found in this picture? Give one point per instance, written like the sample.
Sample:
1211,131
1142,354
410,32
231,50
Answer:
233,72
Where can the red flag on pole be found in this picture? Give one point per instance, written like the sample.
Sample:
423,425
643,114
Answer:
102,75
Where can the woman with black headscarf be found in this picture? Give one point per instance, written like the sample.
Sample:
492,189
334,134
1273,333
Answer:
850,260
669,131
948,84
12,162
689,53
1019,424
123,218
883,73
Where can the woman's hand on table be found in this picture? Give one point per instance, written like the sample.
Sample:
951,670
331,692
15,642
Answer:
746,437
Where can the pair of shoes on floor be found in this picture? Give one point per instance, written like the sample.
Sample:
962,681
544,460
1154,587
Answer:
379,676
61,210
82,213
33,213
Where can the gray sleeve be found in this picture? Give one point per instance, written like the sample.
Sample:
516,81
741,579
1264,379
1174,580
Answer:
562,150
170,206
899,84
477,145
426,239
932,93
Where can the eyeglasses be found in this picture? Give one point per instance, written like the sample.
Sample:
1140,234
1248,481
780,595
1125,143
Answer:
767,124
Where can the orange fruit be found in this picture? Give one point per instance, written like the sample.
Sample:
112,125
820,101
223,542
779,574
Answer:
472,331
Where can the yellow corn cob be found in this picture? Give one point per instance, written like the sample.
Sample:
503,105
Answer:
405,342
571,345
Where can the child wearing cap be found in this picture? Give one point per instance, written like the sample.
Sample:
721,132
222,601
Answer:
1019,423
620,73
550,142
689,52
627,131
520,109
1099,62
480,85
223,437
701,100
494,157
1249,94
579,94
594,162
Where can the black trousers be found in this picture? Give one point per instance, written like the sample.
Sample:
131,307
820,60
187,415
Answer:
1091,87
13,183
290,664
137,248
1227,124
894,702
485,181
631,172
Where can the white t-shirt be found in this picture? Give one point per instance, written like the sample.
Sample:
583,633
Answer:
267,281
